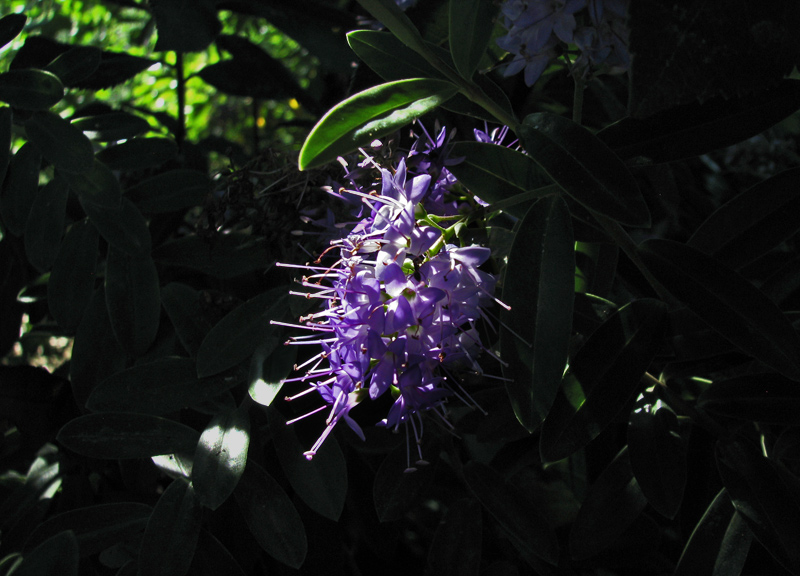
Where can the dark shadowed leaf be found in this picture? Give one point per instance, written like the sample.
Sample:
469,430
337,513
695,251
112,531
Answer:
19,188
123,227
159,387
612,504
322,481
389,14
657,453
96,527
719,543
6,117
132,296
10,26
57,556
182,305
139,154
271,516
727,302
170,191
72,279
268,369
752,223
46,224
697,128
126,435
471,24
212,558
528,530
185,26
170,538
60,142
30,89
768,398
224,256
115,68
112,126
584,167
690,338
767,496
371,114
456,546
221,456
76,64
98,187
399,483
235,337
602,377
538,286
596,267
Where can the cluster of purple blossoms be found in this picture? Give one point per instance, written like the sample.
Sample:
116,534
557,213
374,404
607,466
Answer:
540,30
401,302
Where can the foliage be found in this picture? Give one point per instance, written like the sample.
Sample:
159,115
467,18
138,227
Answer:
639,393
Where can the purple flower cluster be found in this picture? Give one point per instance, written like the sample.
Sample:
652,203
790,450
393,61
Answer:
539,30
401,301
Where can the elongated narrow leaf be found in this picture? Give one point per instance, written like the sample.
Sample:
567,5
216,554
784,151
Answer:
170,538
139,154
30,89
456,546
159,387
60,142
18,190
72,279
612,504
399,483
10,26
76,64
225,256
389,14
185,26
719,543
98,187
126,435
111,126
57,556
96,527
528,530
657,453
271,516
182,305
753,222
221,456
538,287
726,302
45,225
370,114
584,167
134,305
123,227
6,118
470,27
767,496
268,370
602,377
768,398
170,191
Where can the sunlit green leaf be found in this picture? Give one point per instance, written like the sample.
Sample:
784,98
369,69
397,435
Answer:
271,363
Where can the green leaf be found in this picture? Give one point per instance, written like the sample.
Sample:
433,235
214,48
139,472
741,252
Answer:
96,527
389,14
538,286
221,456
766,495
322,481
602,377
171,191
456,546
72,279
76,64
612,504
212,558
596,267
752,223
719,542
727,302
139,154
112,126
657,453
19,188
369,115
185,26
528,530
6,121
271,363
115,68
495,173
224,256
98,187
30,89
122,226
766,397
271,516
399,484
584,167
57,556
160,387
182,305
125,435
235,337
10,27
132,296
471,24
170,539
45,225
60,142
